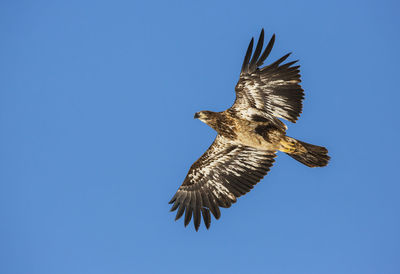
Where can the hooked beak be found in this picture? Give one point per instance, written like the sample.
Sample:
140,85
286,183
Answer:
196,115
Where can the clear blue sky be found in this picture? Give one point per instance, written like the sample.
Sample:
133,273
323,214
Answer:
97,132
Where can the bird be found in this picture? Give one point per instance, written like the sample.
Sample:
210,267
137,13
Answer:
249,134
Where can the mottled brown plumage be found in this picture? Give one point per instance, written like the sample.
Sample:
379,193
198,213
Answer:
249,134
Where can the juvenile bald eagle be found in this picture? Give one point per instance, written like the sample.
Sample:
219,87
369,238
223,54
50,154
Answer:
249,134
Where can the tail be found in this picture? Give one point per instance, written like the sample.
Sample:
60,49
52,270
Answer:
307,154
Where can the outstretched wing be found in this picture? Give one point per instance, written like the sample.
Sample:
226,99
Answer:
223,173
268,92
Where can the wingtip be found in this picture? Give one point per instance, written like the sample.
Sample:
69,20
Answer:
174,207
172,200
248,55
180,212
188,216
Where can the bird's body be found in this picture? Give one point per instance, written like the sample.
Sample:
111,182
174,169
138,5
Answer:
257,134
249,135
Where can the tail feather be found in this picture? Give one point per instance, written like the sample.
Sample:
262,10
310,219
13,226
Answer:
315,156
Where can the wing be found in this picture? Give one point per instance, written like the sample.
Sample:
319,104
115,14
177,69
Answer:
223,173
268,92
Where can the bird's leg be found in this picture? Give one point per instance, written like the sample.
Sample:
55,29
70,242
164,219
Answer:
287,147
290,145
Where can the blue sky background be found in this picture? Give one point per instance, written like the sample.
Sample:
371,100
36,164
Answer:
97,132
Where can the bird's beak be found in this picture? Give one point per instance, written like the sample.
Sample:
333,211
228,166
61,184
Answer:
196,115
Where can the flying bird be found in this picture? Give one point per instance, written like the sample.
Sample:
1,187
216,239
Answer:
249,135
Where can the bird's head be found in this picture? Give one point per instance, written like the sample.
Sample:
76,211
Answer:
206,116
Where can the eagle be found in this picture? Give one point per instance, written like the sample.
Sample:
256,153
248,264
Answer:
249,135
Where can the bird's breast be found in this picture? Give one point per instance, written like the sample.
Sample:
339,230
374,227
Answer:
248,136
